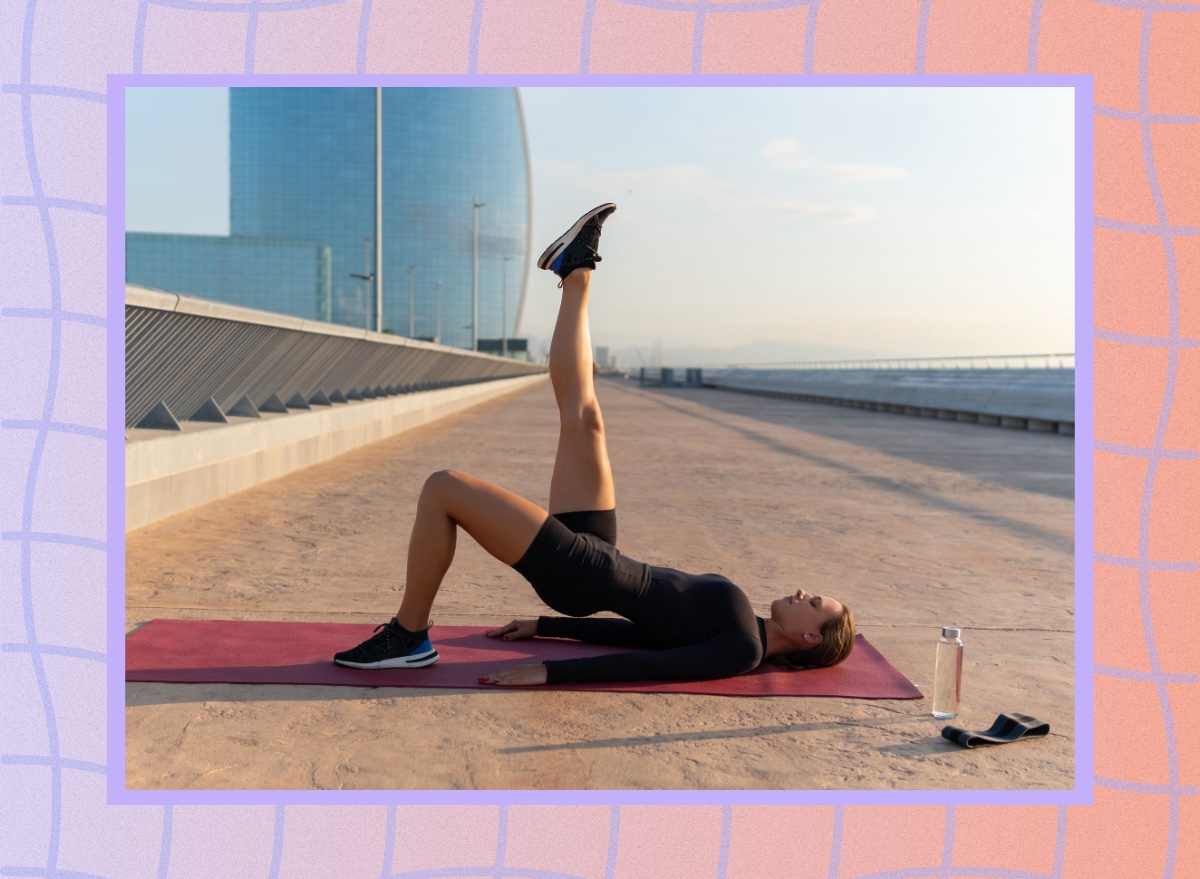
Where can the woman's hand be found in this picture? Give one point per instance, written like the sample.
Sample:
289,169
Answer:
515,630
518,676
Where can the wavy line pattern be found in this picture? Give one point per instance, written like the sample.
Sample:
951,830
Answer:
56,650
1156,453
26,537
25,655
1168,399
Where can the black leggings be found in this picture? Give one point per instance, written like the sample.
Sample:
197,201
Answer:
602,523
580,573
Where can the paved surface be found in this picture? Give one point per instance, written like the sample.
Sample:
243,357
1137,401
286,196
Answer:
913,522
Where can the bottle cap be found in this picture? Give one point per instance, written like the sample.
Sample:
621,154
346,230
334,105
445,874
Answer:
951,632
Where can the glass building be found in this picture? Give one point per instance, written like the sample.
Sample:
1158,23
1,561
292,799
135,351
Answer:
273,274
302,166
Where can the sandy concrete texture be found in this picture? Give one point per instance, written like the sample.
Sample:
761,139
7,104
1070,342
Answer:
914,523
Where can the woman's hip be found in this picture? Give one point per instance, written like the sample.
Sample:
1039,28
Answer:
580,574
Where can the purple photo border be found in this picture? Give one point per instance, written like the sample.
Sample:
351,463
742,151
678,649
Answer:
1082,794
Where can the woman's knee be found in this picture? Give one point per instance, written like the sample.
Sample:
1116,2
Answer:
443,481
585,417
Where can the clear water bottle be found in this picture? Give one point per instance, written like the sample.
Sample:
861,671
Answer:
947,673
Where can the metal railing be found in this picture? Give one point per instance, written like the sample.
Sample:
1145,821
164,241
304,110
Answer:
973,361
1038,398
194,359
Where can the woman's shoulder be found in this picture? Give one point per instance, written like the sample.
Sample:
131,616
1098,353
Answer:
722,593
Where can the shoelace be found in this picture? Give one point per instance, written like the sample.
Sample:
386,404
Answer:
386,633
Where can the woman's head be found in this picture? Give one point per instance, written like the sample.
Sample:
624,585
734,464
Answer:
819,629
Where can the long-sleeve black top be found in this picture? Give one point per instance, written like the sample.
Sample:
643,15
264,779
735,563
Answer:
693,626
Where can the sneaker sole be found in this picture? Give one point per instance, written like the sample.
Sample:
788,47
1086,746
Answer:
567,237
398,662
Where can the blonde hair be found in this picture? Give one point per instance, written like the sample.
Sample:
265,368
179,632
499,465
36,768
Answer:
837,640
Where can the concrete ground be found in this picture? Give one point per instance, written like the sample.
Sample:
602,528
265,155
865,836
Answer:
914,523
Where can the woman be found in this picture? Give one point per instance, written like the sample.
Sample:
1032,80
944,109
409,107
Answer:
694,627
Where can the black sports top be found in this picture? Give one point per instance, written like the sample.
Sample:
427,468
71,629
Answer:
696,627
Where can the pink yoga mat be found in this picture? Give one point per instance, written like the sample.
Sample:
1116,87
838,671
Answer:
257,652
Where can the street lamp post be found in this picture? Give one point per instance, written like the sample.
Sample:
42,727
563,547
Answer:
504,318
437,299
411,330
368,276
378,274
476,204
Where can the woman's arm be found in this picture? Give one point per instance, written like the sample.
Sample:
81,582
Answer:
725,656
614,633
514,631
516,675
722,657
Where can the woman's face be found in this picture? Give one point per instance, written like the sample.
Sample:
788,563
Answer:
802,615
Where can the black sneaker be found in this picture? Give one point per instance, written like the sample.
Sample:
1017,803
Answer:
392,646
576,248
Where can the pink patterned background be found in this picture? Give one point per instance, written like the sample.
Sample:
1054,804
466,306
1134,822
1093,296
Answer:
54,58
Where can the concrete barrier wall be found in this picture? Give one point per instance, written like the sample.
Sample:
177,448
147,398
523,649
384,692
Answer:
1036,399
195,359
167,473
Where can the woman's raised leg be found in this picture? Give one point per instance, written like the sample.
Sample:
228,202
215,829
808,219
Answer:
582,478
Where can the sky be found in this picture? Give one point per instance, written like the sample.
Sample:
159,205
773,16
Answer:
824,221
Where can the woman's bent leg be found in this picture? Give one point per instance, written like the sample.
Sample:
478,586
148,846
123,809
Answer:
582,478
503,523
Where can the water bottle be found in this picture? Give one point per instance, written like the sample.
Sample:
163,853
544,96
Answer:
947,673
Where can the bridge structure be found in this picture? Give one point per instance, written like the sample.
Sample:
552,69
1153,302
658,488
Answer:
1025,391
219,398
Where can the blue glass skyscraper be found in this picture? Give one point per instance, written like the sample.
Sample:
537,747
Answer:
302,166
271,274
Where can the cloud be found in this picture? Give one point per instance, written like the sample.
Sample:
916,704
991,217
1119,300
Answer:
861,173
833,213
785,155
783,147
